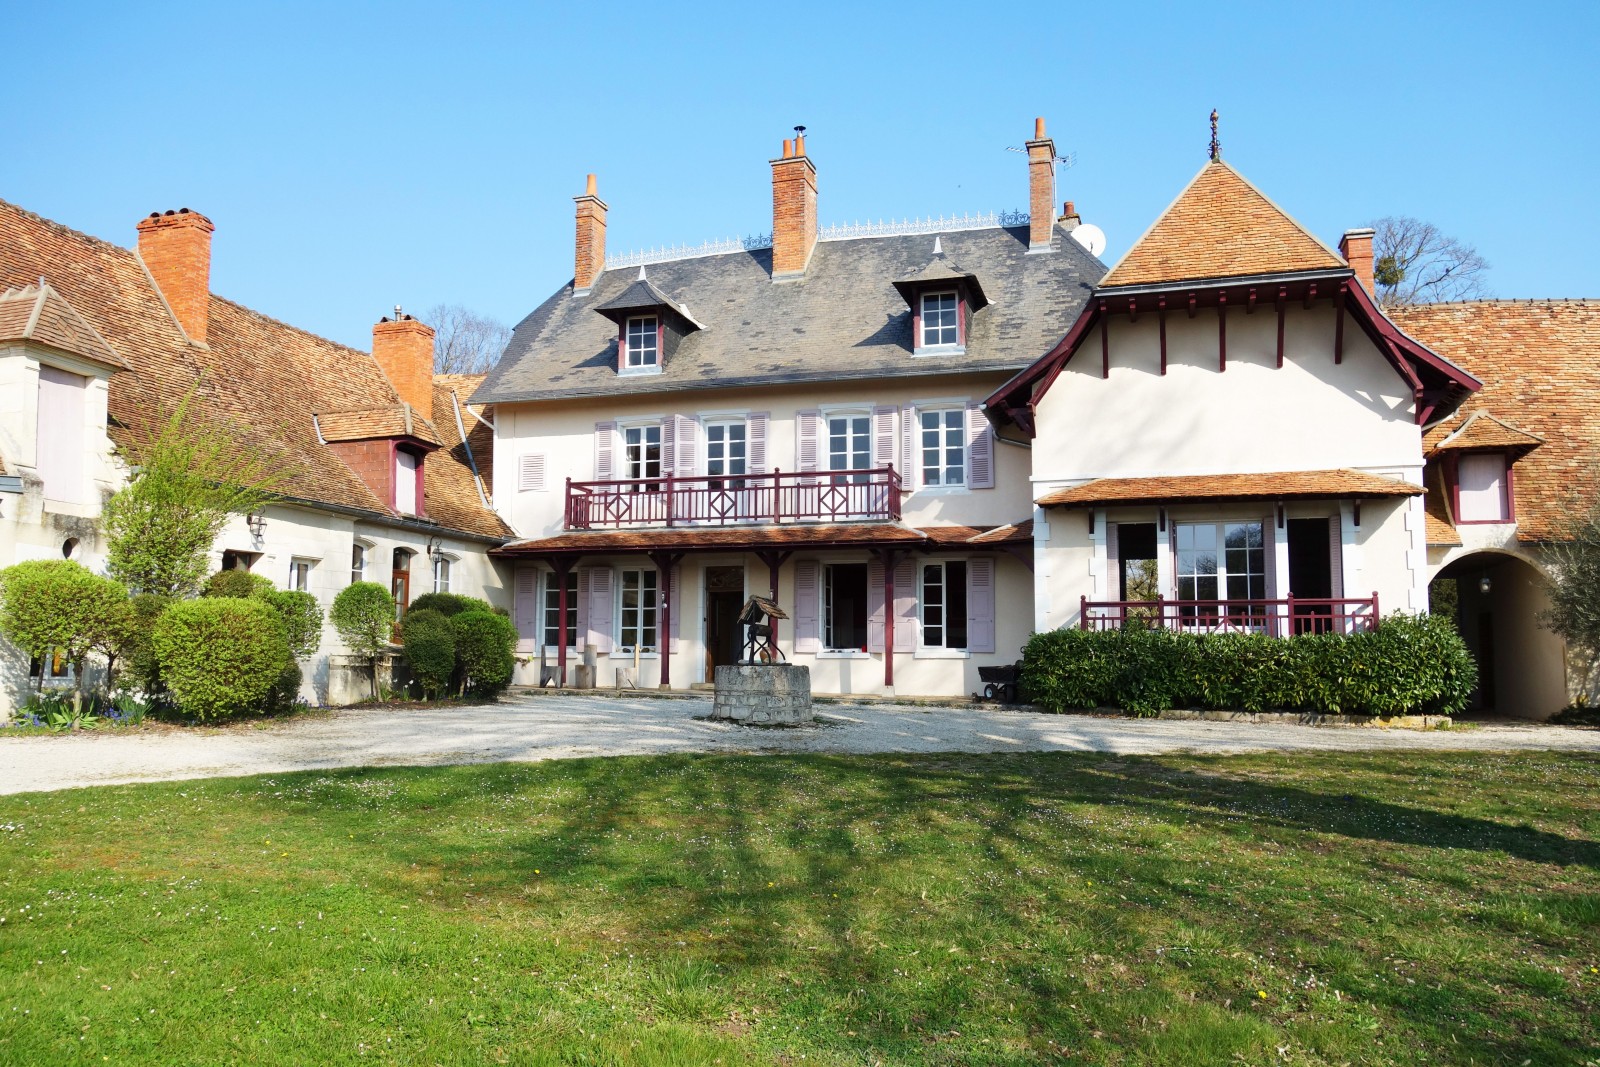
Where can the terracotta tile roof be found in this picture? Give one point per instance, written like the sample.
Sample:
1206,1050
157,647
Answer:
396,420
451,493
1014,534
1476,431
1195,487
722,538
1540,365
39,314
256,375
1441,532
1220,226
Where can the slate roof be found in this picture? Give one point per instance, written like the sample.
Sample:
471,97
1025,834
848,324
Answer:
39,314
260,377
1539,361
842,320
1220,226
1283,485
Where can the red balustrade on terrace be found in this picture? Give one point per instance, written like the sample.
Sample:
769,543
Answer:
1278,618
745,499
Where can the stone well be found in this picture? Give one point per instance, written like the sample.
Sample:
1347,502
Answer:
769,694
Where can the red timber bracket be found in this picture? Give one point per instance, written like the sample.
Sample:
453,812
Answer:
664,564
1283,296
774,558
1161,316
889,557
1105,344
1338,322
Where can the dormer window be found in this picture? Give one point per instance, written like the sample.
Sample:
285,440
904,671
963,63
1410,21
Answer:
941,320
1483,490
407,481
642,341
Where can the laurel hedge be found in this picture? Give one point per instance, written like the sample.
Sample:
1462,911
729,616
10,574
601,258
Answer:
1409,664
485,641
223,656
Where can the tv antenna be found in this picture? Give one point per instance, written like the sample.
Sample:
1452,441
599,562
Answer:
1065,161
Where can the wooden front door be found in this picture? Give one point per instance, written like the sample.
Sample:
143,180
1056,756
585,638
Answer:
724,600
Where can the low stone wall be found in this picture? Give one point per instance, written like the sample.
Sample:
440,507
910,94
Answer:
350,678
769,694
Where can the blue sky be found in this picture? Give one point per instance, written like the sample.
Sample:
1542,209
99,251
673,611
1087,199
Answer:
356,156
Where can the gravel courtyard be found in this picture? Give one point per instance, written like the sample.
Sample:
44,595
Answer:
556,727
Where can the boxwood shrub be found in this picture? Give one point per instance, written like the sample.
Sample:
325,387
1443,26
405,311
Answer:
428,641
484,644
448,604
1411,664
236,583
221,656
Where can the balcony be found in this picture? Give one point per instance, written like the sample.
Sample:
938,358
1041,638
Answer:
1276,618
871,495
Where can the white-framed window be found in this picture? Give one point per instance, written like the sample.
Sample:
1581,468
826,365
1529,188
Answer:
406,465
637,600
726,446
943,441
940,328
849,443
550,632
358,563
943,597
1221,561
1482,489
641,454
844,607
441,574
642,337
300,575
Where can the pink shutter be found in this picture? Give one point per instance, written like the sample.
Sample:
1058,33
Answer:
755,434
669,446
525,609
580,610
676,601
807,639
1269,546
883,435
980,450
605,451
905,606
62,411
808,429
980,605
600,608
908,448
622,347
1335,557
1113,563
686,439
874,606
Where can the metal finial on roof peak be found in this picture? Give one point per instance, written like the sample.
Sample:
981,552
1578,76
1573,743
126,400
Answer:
1216,145
641,272
938,249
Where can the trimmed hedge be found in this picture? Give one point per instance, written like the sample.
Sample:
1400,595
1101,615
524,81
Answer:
222,656
484,645
429,643
302,619
237,583
448,604
1411,664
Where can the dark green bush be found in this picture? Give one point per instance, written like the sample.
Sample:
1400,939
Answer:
1411,664
428,641
484,643
302,618
221,656
237,584
448,604
139,654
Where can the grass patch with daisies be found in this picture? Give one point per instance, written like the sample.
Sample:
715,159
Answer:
1313,909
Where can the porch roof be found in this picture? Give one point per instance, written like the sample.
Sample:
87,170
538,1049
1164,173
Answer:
1285,485
765,538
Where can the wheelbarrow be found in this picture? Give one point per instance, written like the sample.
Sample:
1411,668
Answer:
1000,683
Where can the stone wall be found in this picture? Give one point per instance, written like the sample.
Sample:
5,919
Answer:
765,694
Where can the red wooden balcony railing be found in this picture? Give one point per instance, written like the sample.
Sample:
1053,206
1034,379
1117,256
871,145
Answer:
1279,618
727,500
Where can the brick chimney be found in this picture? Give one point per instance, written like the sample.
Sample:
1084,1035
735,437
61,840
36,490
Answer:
176,249
591,242
794,209
403,348
1041,188
1356,248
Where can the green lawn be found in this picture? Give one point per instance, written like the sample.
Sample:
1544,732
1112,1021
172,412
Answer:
1302,909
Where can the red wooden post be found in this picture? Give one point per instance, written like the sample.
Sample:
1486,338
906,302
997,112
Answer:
571,515
664,624
563,567
1375,616
670,501
1083,613
777,507
888,618
1291,613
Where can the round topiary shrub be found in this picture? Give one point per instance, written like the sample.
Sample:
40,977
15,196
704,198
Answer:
429,643
139,654
484,643
448,604
237,584
220,656
302,619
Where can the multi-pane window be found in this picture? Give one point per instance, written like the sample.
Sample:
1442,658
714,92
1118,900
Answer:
441,575
944,446
643,341
850,444
844,607
300,575
641,453
725,448
358,563
944,604
939,320
1219,561
552,610
636,624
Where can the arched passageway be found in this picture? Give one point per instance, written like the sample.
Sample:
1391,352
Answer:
1498,600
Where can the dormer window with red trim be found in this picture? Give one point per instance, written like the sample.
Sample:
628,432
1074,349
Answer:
943,298
407,481
641,343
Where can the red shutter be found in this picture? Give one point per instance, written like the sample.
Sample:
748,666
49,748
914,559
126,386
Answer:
980,605
883,435
756,442
525,609
874,606
980,450
605,450
905,606
806,600
808,429
1335,557
600,604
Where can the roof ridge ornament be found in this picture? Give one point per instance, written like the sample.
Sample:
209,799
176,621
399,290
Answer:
641,273
1216,145
938,249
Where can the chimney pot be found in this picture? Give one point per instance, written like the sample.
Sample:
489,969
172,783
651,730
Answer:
1356,248
176,249
1038,129
1041,189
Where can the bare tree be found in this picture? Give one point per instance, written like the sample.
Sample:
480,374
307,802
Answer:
465,342
1413,263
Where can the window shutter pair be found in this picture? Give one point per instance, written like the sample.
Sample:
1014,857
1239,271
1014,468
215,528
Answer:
807,607
595,599
905,606
530,473
980,605
525,609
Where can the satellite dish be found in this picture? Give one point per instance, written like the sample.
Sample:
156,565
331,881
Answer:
1091,237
